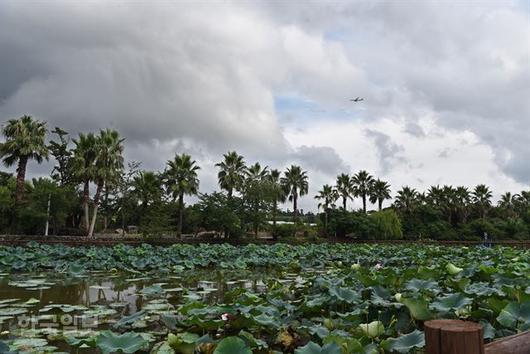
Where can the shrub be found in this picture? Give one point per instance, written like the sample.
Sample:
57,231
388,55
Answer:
386,225
284,230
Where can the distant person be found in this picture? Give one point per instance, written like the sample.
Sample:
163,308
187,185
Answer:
486,239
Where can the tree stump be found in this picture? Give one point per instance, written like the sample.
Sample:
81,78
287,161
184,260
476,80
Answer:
453,337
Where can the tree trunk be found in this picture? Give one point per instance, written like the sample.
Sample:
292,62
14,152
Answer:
96,206
295,209
274,207
380,201
364,203
344,203
326,221
21,177
181,213
86,192
105,217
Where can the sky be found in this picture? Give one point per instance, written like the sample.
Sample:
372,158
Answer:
446,84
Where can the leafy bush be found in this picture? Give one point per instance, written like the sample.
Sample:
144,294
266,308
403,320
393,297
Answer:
386,225
284,230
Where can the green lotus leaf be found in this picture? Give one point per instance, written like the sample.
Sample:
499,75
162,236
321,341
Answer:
162,348
183,343
252,341
344,294
417,285
451,302
24,344
516,316
346,343
152,290
452,269
232,345
129,342
313,348
482,289
418,308
405,343
128,320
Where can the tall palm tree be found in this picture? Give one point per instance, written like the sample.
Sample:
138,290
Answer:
24,141
462,200
406,199
379,192
362,182
435,197
327,197
449,202
481,197
108,166
523,202
231,172
146,188
508,203
276,194
181,179
295,183
256,173
345,188
85,153
255,188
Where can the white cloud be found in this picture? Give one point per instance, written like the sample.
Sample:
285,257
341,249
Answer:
202,78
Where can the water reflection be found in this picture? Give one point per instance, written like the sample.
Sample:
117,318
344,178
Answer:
121,292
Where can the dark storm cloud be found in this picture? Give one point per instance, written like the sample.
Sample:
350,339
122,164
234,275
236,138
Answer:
207,73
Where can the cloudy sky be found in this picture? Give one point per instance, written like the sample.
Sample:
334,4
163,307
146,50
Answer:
446,84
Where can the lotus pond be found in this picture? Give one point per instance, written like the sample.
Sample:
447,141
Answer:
222,299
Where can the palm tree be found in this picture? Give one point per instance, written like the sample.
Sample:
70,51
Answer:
449,202
362,182
108,166
327,196
435,197
481,197
443,199
406,199
146,188
276,194
379,192
523,202
462,201
232,172
24,141
345,188
254,187
295,184
84,168
181,179
508,203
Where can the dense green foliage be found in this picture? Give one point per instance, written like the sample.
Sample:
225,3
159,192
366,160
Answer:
249,202
312,298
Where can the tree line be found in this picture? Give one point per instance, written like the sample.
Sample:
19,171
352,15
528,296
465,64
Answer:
92,189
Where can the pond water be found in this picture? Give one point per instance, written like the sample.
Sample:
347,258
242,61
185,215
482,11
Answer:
50,304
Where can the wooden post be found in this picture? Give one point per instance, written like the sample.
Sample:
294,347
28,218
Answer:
453,337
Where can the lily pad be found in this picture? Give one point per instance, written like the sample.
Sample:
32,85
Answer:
516,316
232,345
129,342
313,348
405,343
